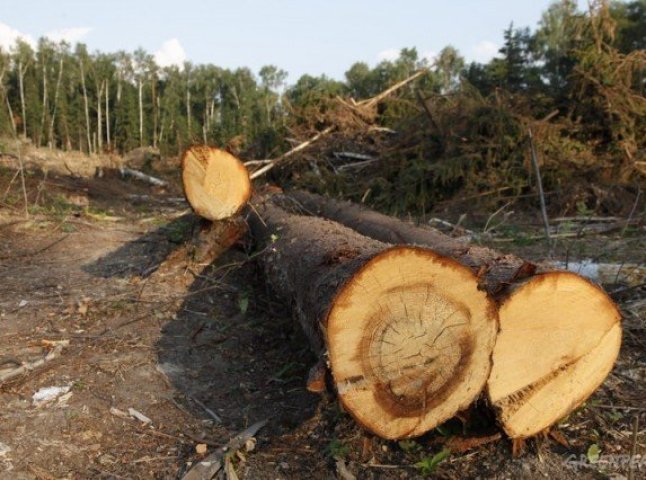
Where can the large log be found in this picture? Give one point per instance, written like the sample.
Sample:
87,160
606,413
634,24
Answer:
216,183
559,333
407,332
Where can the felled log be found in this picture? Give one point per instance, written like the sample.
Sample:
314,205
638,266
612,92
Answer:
407,333
216,183
559,333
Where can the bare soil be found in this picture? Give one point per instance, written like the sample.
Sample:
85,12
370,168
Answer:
110,265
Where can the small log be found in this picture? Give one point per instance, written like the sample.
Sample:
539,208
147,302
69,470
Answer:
407,333
559,333
216,183
129,172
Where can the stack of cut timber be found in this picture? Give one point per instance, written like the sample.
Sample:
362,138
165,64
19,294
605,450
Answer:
559,333
410,329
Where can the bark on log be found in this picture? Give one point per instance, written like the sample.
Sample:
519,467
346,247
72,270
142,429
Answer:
408,334
559,333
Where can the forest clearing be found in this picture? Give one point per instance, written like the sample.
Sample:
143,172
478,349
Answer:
429,269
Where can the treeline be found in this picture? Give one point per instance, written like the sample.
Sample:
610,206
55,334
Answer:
70,98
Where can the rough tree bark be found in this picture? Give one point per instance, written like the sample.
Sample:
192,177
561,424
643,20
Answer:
407,333
559,333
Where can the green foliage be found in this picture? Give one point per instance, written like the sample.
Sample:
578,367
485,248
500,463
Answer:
593,453
243,302
578,80
429,464
338,449
409,446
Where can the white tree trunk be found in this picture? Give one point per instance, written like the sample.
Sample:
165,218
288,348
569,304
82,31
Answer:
107,114
99,116
155,105
87,110
188,113
141,112
21,74
50,136
43,118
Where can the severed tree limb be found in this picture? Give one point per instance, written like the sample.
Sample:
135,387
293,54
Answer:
29,366
378,98
207,468
129,172
367,103
539,184
296,149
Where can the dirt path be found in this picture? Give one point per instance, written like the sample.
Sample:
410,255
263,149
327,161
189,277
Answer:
152,329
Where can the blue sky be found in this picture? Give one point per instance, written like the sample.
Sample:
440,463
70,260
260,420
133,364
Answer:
313,36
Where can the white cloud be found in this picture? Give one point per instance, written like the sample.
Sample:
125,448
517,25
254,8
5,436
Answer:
170,53
9,35
70,35
484,51
389,54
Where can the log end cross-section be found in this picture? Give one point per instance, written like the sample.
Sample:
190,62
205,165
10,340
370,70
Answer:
216,183
409,338
559,338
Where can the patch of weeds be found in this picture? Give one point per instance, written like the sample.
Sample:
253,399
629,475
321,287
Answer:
71,414
409,446
429,464
288,372
178,231
593,453
615,415
119,305
337,449
583,210
524,240
78,386
508,230
57,206
98,213
68,228
243,302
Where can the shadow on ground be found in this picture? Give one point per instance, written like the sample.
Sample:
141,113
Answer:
222,350
228,345
144,255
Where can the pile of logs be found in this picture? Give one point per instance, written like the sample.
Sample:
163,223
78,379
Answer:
413,325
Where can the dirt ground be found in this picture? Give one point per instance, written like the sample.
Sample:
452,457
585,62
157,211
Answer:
109,265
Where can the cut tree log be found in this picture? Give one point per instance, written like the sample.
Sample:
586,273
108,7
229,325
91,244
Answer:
559,333
408,334
216,183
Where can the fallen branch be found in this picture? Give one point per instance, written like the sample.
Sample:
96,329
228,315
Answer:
353,156
539,185
378,98
29,366
129,172
291,152
206,469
